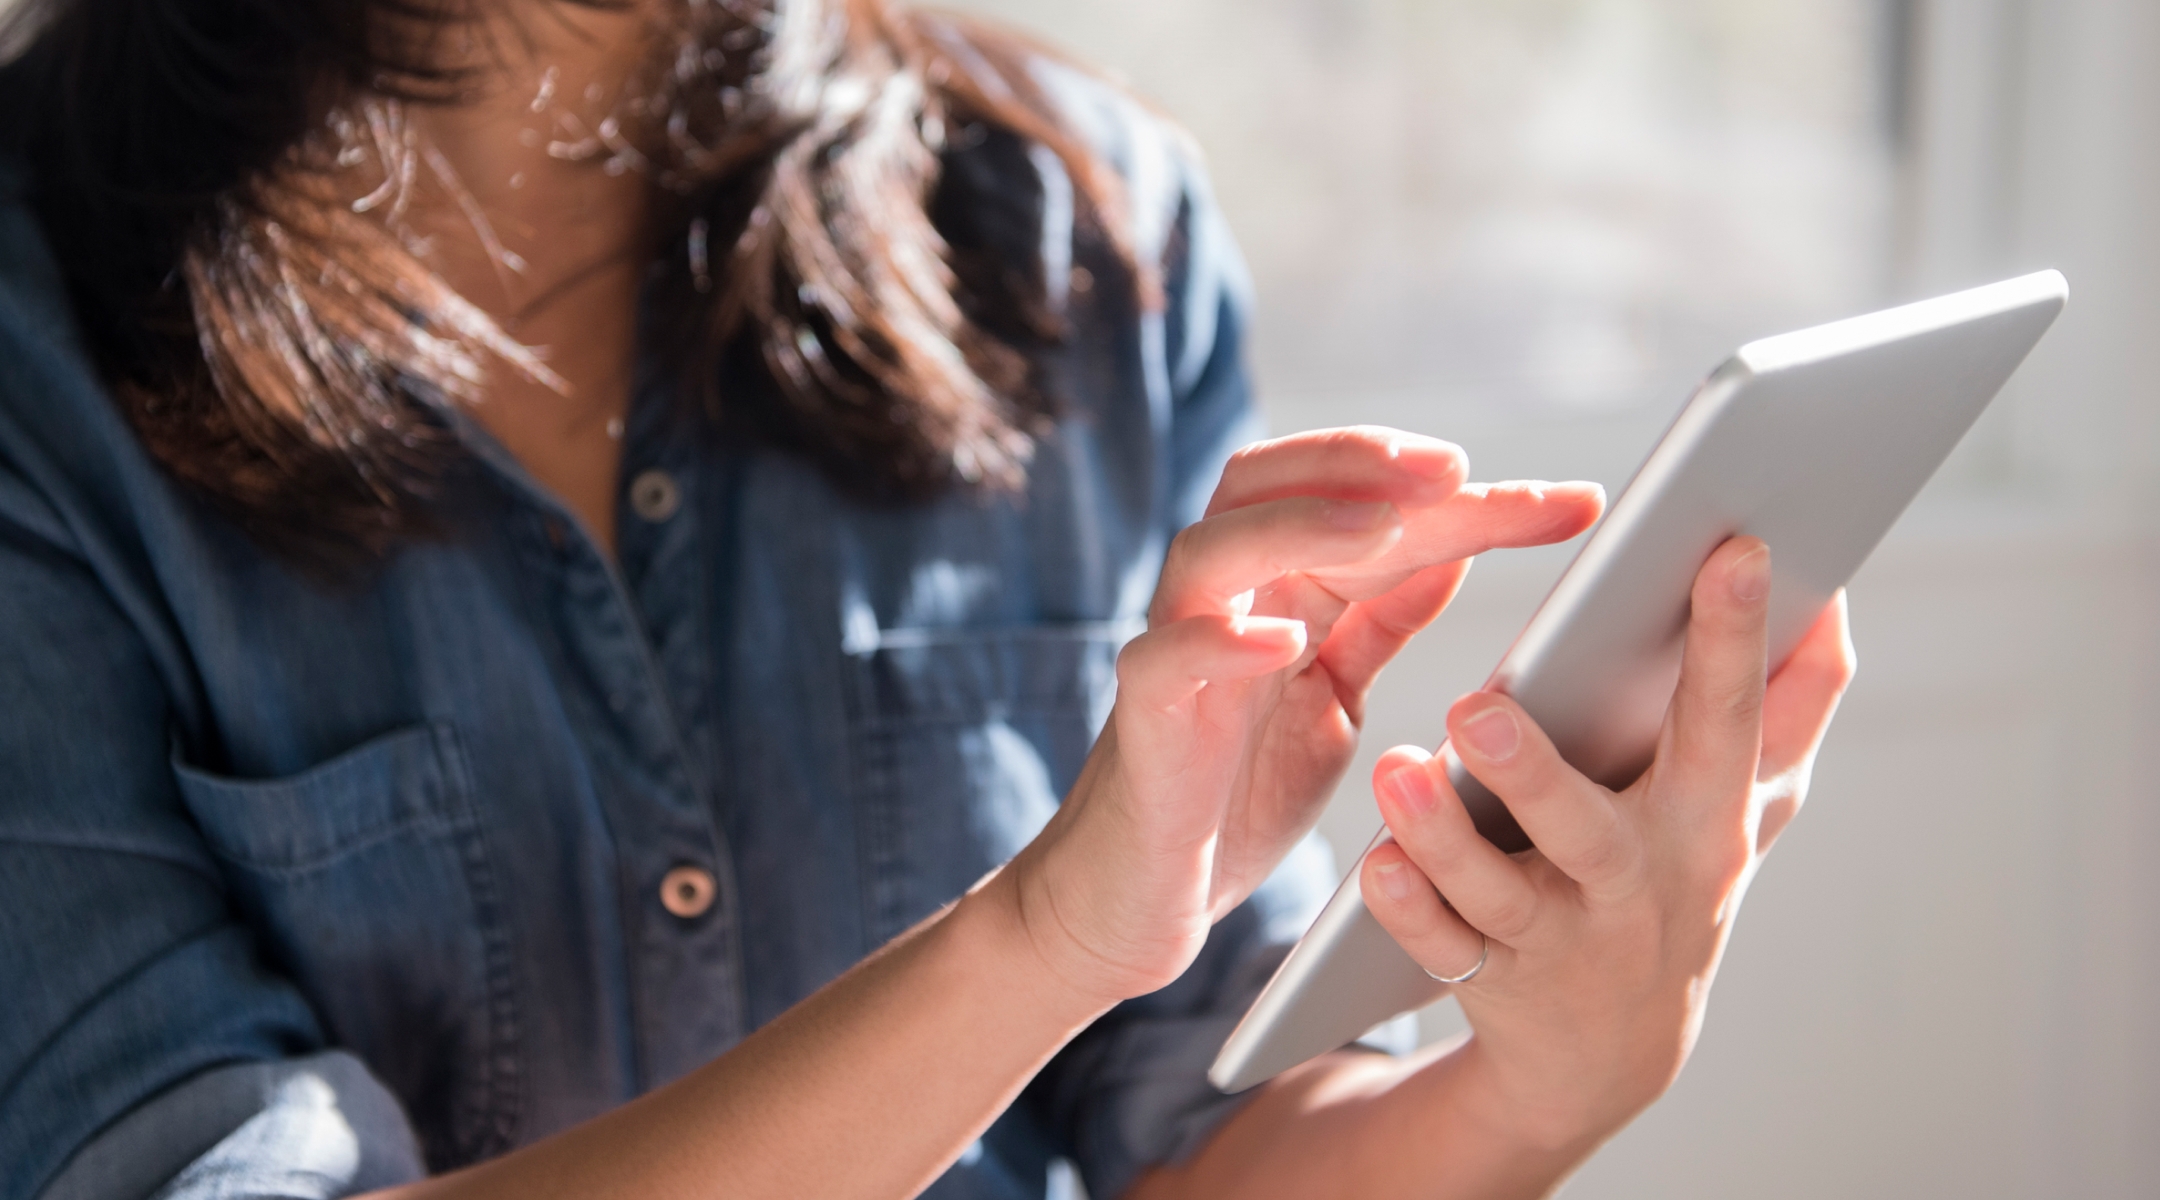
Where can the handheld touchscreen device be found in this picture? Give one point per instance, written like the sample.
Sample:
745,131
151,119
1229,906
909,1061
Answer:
1814,442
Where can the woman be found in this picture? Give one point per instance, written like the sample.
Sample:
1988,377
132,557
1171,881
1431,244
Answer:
533,538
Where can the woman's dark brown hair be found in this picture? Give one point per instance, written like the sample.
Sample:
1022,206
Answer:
288,356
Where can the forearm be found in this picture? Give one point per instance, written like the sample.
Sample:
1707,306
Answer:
869,1088
1362,1125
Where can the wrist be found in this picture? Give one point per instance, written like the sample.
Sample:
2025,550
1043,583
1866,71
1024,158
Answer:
993,916
1560,1130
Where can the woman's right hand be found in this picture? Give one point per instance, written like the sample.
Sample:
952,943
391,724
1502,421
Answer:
1237,711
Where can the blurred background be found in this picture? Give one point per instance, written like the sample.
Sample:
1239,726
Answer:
1530,226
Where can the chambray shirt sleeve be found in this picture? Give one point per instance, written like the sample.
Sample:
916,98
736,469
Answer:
144,1047
1132,1091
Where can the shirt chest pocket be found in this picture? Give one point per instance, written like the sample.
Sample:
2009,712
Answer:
964,742
367,881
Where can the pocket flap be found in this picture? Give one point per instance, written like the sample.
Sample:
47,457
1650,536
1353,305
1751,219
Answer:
410,777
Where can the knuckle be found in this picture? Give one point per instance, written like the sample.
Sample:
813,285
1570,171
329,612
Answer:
1183,545
1358,447
1602,857
1241,459
1400,621
1132,660
1438,857
1417,923
1127,670
1362,438
1508,917
1736,700
1723,857
1535,779
1844,667
1373,442
1540,767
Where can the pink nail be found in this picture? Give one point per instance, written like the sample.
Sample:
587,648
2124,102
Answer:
1492,734
1358,518
1412,789
1750,576
1394,881
1432,459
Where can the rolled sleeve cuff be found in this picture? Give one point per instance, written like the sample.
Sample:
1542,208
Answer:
311,1128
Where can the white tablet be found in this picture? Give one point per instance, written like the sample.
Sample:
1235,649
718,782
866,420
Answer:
1814,442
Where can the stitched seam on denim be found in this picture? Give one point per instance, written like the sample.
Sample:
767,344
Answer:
879,804
492,1126
433,824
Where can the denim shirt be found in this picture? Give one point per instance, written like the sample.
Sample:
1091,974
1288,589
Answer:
310,887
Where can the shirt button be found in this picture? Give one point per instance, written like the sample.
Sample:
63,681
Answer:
654,495
687,891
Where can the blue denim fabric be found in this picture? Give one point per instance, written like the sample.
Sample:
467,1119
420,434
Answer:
308,887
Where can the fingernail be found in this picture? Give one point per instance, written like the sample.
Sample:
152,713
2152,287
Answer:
1750,577
1395,881
1429,457
1492,734
1412,789
1358,518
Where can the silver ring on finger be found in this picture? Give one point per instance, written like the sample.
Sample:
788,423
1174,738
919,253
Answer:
1484,950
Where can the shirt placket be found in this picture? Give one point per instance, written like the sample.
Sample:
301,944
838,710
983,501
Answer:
690,977
679,900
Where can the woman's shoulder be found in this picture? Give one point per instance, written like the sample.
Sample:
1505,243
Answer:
1154,158
1154,166
34,310
70,468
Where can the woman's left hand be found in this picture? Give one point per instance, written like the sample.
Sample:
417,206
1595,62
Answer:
1599,945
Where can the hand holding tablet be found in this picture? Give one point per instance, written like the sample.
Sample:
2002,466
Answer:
1811,443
